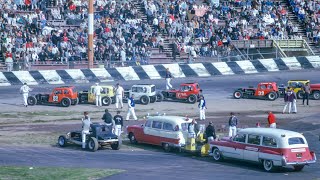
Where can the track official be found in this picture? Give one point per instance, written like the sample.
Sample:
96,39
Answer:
85,128
202,107
131,105
24,90
97,92
119,95
168,79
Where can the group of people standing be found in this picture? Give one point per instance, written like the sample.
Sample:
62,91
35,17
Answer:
290,98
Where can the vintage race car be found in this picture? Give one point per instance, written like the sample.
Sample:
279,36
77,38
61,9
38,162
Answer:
107,96
63,96
143,94
265,90
100,136
268,146
297,86
189,92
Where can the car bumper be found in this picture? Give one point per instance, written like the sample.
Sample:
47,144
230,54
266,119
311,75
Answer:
285,163
108,141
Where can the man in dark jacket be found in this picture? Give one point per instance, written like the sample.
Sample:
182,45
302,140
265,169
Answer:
107,118
210,132
233,122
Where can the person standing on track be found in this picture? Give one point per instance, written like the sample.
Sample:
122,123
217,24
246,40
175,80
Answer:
306,90
24,90
202,107
85,128
272,120
168,79
118,121
119,95
97,92
131,106
107,118
233,122
210,132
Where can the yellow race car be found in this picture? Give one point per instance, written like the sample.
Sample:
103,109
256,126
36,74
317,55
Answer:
297,86
107,96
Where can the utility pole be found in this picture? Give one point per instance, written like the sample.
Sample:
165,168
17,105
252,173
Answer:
90,34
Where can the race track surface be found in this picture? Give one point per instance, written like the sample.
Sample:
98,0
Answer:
148,164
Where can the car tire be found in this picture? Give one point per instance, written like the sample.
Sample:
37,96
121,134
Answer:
153,99
237,94
144,100
166,147
192,99
75,102
298,167
132,138
216,154
106,101
316,95
300,94
93,144
32,100
272,96
115,146
65,102
159,97
62,141
268,165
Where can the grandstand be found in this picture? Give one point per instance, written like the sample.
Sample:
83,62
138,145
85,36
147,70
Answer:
52,34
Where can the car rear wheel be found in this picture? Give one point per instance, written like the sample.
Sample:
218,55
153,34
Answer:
65,102
106,101
272,96
132,138
32,100
300,94
166,147
237,94
160,97
93,144
192,99
145,100
268,165
216,154
115,146
298,167
62,141
316,95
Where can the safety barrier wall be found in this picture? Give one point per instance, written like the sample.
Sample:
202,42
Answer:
157,71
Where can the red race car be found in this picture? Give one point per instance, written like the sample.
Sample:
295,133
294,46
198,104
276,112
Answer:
265,90
189,92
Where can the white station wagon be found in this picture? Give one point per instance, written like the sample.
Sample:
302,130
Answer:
271,147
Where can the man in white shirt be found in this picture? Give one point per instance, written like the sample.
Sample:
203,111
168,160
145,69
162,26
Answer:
97,92
119,95
85,128
24,90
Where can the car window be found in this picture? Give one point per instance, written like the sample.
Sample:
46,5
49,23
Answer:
148,123
254,139
184,126
157,124
269,141
240,138
295,140
168,126
66,91
58,91
153,88
138,89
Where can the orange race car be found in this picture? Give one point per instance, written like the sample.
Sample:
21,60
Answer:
265,90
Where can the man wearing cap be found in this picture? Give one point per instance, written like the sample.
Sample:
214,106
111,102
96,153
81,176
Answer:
233,122
118,121
119,95
131,106
202,107
97,92
210,132
168,79
24,90
85,128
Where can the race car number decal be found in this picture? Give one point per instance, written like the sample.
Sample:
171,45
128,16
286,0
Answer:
260,93
55,98
181,94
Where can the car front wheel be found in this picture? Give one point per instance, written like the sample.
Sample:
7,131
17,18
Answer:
93,144
192,99
115,146
216,154
316,95
272,96
132,138
300,94
145,100
62,141
106,101
31,100
268,165
65,102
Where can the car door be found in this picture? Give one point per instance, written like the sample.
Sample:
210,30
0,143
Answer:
235,148
147,129
55,96
251,149
155,132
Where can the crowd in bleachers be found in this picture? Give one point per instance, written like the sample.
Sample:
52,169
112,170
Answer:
35,31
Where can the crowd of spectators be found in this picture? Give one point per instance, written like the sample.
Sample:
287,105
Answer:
33,31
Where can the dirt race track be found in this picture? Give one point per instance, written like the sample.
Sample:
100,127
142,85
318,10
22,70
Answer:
40,125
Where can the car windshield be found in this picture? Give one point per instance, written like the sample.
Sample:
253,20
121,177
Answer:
153,89
295,140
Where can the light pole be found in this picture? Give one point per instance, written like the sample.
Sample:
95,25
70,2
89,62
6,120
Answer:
90,34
